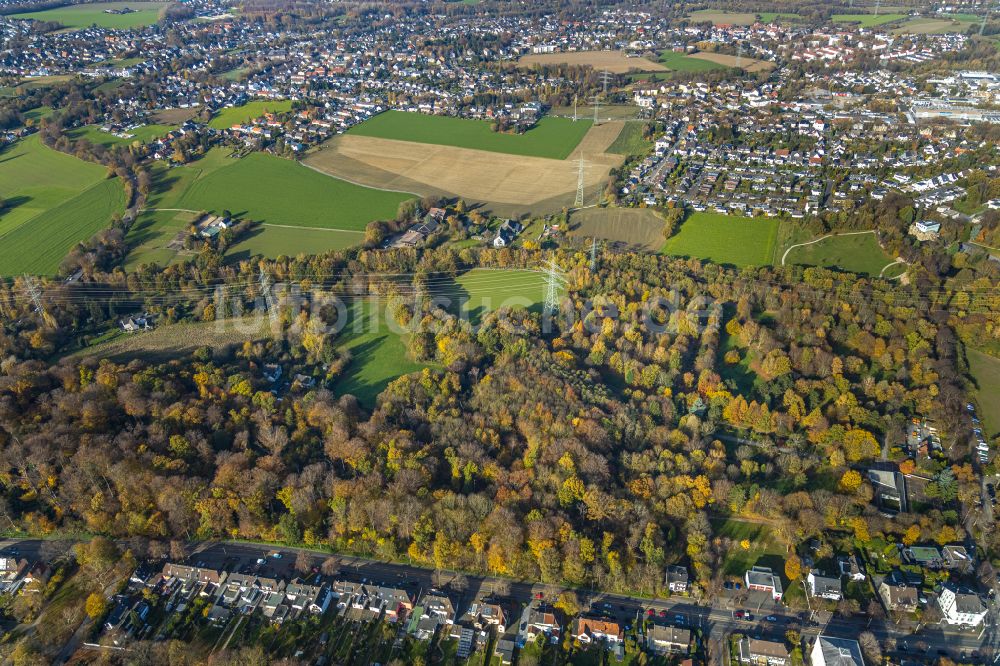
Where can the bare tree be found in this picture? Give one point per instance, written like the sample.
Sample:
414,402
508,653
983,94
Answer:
460,583
870,647
501,587
178,551
303,563
330,566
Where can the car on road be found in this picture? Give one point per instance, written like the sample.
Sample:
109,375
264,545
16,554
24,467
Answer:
679,619
739,615
771,618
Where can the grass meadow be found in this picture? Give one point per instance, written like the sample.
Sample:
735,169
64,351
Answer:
631,140
859,253
86,15
986,371
867,20
725,239
683,63
554,138
143,134
237,115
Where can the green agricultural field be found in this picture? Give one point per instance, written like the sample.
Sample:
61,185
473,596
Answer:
39,245
682,63
867,20
235,115
143,134
38,183
986,371
86,15
931,26
301,210
38,113
554,138
859,253
282,192
631,140
725,239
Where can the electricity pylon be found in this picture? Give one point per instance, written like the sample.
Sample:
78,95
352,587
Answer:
554,280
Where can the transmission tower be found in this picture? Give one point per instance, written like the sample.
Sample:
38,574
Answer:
579,183
739,55
35,294
986,17
593,254
606,76
877,5
553,281
574,108
265,290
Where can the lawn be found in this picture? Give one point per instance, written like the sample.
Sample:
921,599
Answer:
378,351
272,242
40,245
554,138
143,134
683,63
739,559
236,115
867,20
986,371
86,15
38,113
631,140
725,239
149,235
482,290
42,188
859,253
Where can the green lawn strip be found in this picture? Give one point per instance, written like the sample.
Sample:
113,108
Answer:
986,371
683,63
725,239
631,140
552,137
272,241
86,15
859,253
236,115
39,245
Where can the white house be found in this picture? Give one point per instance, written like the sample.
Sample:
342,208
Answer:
829,651
963,608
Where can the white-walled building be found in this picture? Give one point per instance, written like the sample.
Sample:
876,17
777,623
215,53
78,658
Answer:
963,608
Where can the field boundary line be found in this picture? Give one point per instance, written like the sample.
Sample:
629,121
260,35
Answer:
353,182
822,238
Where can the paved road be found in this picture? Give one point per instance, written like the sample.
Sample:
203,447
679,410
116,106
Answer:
717,621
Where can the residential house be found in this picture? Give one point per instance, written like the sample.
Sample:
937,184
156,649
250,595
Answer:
312,598
363,602
537,618
483,615
957,558
849,567
595,629
824,587
890,489
961,607
12,573
677,579
758,652
829,651
924,556
762,579
898,596
433,611
663,639
505,650
507,232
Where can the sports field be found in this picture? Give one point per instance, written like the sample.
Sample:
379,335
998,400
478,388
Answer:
633,228
858,253
725,239
553,138
867,20
42,188
86,15
237,115
507,184
615,62
986,371
301,210
143,134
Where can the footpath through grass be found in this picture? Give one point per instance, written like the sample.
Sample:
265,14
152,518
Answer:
554,138
725,239
859,253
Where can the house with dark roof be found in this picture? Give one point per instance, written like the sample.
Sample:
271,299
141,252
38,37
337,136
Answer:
822,586
663,639
758,652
